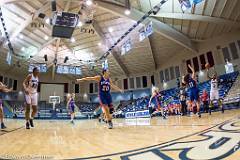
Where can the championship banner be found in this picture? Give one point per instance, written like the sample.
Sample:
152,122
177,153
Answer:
187,4
9,58
127,46
149,29
142,35
144,32
196,1
138,114
42,67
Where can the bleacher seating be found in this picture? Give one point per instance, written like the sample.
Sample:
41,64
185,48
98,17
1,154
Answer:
233,95
45,110
86,107
170,96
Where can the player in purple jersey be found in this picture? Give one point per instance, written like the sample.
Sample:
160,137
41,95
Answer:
105,98
71,106
156,96
3,88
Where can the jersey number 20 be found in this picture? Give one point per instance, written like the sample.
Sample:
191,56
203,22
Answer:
105,88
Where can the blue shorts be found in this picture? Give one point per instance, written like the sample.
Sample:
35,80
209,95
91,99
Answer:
193,94
105,99
72,109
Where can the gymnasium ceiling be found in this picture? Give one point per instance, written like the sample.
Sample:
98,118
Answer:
173,31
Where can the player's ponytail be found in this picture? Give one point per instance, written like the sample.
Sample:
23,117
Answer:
35,69
103,71
186,78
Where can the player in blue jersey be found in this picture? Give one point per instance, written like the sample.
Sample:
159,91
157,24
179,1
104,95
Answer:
191,82
3,88
71,106
105,98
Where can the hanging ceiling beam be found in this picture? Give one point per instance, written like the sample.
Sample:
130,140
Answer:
195,17
29,19
66,8
153,54
104,40
158,26
55,54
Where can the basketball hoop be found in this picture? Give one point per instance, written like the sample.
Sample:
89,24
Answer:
54,100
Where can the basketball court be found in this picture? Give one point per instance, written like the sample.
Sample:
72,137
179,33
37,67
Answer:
215,137
120,79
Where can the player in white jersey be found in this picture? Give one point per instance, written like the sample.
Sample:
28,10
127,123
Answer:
30,85
214,92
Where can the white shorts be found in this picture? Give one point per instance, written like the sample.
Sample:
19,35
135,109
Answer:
32,99
214,95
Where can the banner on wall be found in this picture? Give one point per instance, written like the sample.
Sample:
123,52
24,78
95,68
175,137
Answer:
145,31
64,69
9,58
127,46
187,4
196,1
142,35
138,114
42,67
149,29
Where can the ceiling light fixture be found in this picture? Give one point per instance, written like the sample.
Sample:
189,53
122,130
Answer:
110,29
80,24
127,12
72,40
46,37
89,2
21,36
47,20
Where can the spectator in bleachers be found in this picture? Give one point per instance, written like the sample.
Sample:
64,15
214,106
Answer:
204,99
182,98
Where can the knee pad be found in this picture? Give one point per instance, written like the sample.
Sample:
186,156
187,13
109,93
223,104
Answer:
111,110
219,102
211,104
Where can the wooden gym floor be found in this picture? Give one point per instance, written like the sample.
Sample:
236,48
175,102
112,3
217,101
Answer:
211,137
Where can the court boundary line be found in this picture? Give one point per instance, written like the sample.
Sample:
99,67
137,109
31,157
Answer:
148,147
6,132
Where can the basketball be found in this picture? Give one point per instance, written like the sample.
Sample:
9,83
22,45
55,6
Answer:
207,66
